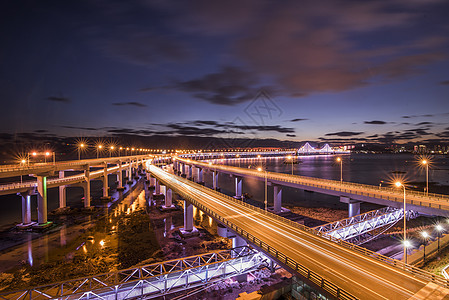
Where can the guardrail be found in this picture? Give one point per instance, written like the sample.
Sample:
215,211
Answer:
366,190
328,286
49,165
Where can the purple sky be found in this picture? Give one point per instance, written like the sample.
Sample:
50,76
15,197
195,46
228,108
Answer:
326,70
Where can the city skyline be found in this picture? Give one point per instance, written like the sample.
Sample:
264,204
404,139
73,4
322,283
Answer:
340,71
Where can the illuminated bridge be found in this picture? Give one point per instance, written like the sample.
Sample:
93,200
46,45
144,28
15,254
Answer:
343,270
349,192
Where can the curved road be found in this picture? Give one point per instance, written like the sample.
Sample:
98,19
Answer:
360,275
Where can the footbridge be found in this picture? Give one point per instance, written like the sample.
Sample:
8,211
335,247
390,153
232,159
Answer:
343,270
364,227
349,192
150,281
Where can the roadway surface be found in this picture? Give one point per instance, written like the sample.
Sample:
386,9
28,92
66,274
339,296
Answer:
361,275
432,203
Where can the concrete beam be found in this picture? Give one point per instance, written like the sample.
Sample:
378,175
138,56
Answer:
42,199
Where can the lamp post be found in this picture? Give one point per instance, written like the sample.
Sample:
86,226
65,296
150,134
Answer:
425,235
341,168
426,163
266,188
110,150
119,150
79,150
439,228
399,184
238,158
290,158
98,149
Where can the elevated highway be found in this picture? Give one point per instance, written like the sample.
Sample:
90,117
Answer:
344,270
435,204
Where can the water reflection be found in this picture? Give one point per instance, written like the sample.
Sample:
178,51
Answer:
63,235
30,250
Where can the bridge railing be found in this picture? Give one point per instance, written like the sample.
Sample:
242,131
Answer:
69,163
296,266
366,190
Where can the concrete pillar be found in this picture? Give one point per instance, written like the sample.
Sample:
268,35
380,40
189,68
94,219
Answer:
200,176
86,188
130,171
277,198
157,188
188,216
238,187
189,172
353,206
120,176
62,194
152,181
215,180
238,241
183,170
42,199
26,207
105,182
168,198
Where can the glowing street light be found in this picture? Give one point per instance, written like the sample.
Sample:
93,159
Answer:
425,235
266,187
110,150
80,146
407,244
399,184
341,168
98,149
119,150
439,228
425,162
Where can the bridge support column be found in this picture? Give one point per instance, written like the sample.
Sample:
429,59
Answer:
189,172
238,187
152,181
130,171
42,199
26,208
353,206
277,198
183,170
157,188
188,229
105,183
215,180
62,192
168,199
200,176
120,177
86,188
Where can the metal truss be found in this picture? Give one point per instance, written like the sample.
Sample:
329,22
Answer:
361,228
151,280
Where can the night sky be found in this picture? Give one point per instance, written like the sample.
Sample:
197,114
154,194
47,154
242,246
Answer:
327,70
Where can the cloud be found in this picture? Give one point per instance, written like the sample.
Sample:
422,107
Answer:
59,99
344,133
137,104
326,58
375,122
444,82
229,86
298,120
291,135
82,128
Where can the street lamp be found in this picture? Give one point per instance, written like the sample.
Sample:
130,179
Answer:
439,228
266,187
79,150
406,245
425,235
399,184
110,150
290,158
119,150
98,149
341,168
426,163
